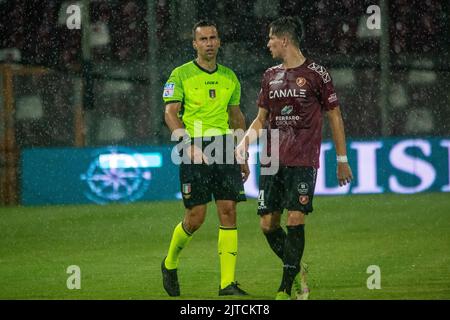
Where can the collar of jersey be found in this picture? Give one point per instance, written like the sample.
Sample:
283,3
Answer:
203,69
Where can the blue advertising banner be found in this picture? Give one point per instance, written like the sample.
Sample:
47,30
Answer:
97,175
119,174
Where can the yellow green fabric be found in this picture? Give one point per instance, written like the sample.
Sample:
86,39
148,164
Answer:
227,247
180,239
205,97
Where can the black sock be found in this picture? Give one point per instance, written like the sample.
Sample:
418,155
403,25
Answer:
293,251
276,239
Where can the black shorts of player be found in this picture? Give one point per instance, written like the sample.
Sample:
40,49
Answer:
200,182
291,188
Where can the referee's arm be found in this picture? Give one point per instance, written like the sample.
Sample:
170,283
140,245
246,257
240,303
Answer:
173,122
236,118
237,121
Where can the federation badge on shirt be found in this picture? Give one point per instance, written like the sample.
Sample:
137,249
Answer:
169,89
212,93
186,190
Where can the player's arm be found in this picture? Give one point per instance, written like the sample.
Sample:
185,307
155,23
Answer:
177,129
253,132
344,172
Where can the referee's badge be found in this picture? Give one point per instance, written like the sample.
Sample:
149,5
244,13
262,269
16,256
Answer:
186,190
212,93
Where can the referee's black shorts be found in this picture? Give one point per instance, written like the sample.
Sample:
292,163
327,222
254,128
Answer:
291,188
200,182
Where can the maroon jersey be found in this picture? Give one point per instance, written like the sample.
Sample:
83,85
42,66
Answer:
296,99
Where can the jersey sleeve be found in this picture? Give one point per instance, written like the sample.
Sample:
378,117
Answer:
173,89
236,95
263,95
328,97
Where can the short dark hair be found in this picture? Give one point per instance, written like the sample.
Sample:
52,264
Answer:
203,23
291,26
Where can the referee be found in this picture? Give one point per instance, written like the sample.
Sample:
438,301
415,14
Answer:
202,101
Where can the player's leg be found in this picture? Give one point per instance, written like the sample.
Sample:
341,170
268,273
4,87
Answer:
274,233
270,209
293,249
296,227
299,184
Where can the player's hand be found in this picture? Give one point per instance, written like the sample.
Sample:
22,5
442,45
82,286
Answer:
196,155
344,173
241,153
245,171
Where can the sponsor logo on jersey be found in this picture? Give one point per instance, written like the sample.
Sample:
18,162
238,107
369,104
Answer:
286,110
169,89
211,82
212,93
300,81
275,82
332,98
285,118
321,71
287,93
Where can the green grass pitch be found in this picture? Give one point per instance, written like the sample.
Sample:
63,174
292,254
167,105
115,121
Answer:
119,249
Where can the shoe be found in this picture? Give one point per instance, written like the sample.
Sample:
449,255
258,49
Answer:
300,286
170,280
304,295
232,290
281,295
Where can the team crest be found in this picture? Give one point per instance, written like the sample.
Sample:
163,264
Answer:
303,199
300,81
212,93
186,190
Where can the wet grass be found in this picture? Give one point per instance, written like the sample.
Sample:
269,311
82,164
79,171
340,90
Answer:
119,249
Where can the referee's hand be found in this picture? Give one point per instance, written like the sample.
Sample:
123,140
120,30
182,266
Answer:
344,173
196,155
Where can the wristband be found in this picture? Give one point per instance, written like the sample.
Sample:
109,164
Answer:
342,159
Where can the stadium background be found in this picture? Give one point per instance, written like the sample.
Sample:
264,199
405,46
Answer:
70,95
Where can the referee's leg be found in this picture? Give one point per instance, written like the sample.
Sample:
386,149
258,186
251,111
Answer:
228,247
181,236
